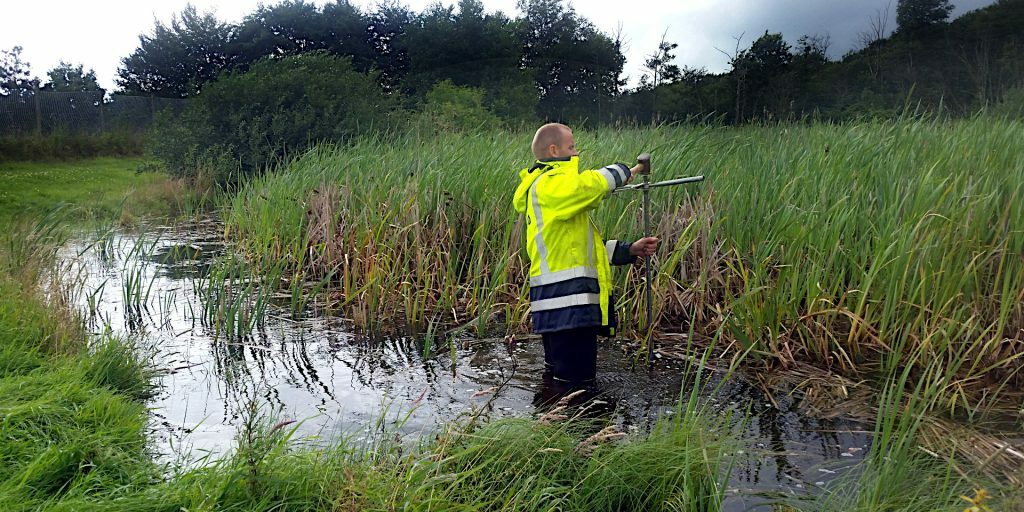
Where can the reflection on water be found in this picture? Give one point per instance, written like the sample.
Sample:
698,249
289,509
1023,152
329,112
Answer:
319,371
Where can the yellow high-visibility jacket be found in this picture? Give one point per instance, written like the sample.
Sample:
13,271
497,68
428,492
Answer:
570,266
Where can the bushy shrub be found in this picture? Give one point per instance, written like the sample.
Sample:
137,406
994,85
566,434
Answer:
244,122
453,108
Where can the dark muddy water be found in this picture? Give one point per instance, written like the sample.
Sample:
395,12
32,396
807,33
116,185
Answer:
336,382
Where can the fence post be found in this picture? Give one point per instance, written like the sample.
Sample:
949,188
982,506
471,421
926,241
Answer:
39,116
102,124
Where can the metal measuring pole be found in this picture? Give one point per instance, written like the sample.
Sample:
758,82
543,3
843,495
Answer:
645,170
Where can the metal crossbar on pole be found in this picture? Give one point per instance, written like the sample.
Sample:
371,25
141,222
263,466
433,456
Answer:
666,183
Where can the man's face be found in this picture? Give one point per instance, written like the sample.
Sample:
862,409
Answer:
567,147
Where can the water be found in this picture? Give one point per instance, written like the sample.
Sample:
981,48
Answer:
320,372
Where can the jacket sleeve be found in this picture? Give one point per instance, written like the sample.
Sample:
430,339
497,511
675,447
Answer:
618,252
568,195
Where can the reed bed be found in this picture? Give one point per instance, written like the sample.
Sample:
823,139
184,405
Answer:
72,410
832,244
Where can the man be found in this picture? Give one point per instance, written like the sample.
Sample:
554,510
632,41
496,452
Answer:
570,267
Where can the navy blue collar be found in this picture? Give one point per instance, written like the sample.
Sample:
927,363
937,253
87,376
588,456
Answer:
544,162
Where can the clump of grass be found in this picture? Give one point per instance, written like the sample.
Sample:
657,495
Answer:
71,415
235,295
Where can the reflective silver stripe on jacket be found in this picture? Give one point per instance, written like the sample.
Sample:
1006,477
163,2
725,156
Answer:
579,299
615,175
609,247
612,176
590,241
542,249
563,275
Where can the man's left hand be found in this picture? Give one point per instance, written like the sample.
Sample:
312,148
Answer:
644,247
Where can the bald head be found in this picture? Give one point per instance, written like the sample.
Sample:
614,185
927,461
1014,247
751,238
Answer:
553,140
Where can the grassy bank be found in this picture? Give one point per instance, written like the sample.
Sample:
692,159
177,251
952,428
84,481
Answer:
96,188
830,244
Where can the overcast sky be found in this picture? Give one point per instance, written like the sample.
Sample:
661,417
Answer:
99,33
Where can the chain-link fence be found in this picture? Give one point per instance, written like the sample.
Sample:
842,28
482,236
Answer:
45,112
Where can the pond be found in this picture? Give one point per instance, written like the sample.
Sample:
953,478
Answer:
335,381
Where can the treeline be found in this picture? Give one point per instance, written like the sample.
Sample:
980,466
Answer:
293,74
959,67
549,61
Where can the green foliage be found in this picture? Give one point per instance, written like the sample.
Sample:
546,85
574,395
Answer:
21,323
453,108
175,60
577,68
67,77
64,434
1013,102
550,52
120,367
245,122
915,14
466,47
659,64
295,27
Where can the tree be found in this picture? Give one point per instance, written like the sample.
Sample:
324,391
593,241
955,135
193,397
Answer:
767,58
387,28
812,51
879,28
467,46
661,69
659,63
14,74
288,28
175,61
576,67
70,78
914,14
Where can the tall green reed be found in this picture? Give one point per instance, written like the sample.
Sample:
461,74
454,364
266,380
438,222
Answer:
814,242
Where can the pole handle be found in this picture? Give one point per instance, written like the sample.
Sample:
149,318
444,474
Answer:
645,163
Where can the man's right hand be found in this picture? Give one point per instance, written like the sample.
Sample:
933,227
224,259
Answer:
634,171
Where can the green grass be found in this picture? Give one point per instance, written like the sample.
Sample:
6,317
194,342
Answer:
94,188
